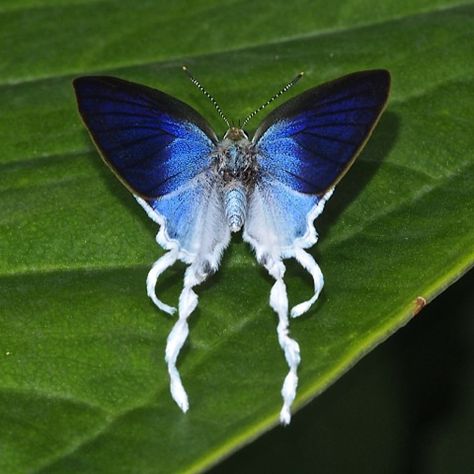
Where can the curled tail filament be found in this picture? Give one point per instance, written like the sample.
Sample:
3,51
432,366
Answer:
291,349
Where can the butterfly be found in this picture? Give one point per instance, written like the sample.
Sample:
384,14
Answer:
200,189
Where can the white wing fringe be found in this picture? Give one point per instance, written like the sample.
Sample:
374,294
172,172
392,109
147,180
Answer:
188,301
164,262
180,331
291,349
279,303
310,265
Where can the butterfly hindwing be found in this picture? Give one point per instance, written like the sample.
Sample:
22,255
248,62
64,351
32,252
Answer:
194,215
277,216
310,141
152,141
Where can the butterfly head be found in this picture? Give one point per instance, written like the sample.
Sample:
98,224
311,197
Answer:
235,134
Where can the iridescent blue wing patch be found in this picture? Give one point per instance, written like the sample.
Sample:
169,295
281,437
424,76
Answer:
303,148
310,141
152,141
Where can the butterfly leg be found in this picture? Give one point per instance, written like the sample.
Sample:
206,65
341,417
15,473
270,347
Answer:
188,300
279,303
164,262
309,264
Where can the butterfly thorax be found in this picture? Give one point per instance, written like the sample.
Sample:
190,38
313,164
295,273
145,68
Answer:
235,157
236,164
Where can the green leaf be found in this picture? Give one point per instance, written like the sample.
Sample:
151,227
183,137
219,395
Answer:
83,384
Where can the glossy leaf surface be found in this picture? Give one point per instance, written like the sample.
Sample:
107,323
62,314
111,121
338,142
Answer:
83,384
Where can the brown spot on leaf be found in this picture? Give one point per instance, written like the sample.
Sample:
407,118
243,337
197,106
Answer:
420,303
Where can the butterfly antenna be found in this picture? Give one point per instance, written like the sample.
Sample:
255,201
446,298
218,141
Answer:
269,101
209,96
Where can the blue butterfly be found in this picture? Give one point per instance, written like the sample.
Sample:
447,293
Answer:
200,189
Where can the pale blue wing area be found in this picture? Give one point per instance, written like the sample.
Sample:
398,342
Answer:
279,225
193,219
278,218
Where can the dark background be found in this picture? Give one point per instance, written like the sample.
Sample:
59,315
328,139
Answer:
407,407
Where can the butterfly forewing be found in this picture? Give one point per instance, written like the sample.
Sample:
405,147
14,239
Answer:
309,142
152,141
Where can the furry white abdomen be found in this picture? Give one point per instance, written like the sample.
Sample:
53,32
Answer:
235,202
